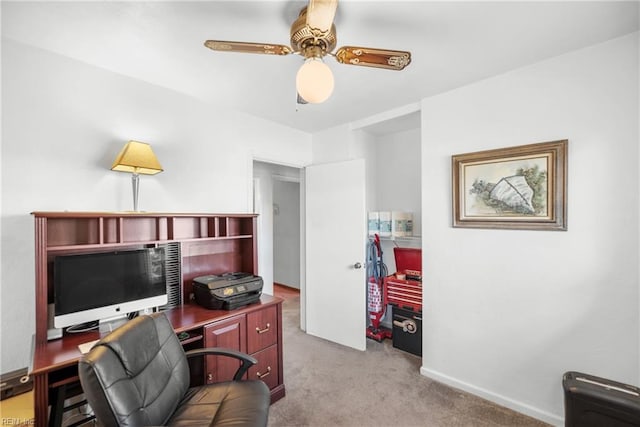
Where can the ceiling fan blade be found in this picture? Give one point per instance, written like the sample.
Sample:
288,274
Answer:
320,14
370,57
243,47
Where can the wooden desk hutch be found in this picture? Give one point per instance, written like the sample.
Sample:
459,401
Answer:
207,244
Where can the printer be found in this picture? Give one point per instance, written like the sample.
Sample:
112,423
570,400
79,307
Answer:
227,291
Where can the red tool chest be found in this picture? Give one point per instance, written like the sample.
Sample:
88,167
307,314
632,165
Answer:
404,289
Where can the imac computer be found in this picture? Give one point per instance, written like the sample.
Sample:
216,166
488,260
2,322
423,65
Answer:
103,286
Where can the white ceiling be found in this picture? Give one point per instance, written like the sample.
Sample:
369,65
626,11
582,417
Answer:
452,44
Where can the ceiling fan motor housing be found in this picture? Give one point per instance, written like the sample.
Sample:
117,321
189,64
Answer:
311,42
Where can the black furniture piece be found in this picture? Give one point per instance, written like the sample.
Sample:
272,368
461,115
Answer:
591,401
138,375
407,330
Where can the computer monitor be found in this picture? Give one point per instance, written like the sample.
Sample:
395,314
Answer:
105,285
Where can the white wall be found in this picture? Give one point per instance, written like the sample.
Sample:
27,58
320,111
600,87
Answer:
332,145
342,143
63,124
397,174
507,312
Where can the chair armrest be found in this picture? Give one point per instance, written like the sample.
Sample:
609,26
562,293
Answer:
246,361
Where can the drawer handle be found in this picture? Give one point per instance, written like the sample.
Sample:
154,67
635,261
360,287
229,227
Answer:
261,376
262,331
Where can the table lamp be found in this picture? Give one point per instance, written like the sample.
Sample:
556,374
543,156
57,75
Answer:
138,158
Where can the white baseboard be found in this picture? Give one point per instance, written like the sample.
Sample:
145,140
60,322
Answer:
523,408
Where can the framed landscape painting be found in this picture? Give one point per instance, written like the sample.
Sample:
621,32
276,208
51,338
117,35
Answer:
523,187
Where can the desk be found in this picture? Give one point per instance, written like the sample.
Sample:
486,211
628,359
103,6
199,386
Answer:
54,367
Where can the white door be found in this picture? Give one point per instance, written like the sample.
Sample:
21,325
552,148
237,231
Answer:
336,236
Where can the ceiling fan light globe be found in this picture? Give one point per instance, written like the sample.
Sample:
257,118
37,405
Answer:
314,81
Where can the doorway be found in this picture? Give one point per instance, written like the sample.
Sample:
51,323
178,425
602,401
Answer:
278,198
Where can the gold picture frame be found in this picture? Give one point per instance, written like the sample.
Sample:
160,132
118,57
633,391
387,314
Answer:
523,187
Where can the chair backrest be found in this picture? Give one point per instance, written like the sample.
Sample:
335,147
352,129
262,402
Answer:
137,374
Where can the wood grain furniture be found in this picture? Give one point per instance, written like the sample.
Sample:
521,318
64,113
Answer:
208,244
138,375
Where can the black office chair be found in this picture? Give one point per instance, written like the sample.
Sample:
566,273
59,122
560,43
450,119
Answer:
138,375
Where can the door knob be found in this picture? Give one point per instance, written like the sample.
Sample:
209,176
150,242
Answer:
357,265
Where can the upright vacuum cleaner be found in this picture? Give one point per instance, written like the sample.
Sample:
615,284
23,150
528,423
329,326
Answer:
376,298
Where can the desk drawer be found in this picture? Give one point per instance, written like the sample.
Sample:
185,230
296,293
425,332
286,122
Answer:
267,367
262,329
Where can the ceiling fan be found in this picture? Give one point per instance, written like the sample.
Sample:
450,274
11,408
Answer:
313,35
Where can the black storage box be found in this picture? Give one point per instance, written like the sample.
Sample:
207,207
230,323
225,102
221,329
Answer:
228,291
591,401
407,330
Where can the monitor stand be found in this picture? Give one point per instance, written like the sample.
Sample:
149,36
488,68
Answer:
109,325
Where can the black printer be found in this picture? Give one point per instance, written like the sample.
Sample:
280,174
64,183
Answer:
227,291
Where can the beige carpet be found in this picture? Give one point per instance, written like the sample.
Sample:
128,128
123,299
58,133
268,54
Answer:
331,385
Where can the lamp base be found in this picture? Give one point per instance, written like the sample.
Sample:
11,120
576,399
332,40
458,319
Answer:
135,183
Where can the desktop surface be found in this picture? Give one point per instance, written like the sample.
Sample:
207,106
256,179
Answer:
64,352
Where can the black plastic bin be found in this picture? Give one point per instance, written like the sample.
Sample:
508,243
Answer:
591,401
